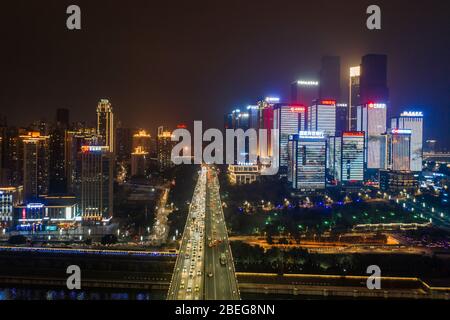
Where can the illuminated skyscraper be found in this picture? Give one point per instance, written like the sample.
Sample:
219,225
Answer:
322,117
35,165
399,149
307,161
96,167
334,158
9,197
353,157
142,139
354,96
371,119
105,124
124,144
139,161
165,145
289,120
414,122
304,91
58,178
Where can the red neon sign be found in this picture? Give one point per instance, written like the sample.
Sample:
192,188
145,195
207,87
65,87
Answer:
328,102
181,126
353,134
298,109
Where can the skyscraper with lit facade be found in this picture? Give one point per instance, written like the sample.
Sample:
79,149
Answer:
139,161
289,119
354,96
322,117
399,149
164,146
105,124
304,92
413,121
353,151
371,119
307,161
35,165
96,169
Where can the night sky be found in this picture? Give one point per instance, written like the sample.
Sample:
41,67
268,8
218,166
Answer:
166,62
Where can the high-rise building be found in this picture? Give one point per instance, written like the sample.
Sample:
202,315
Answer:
334,158
139,161
322,117
58,177
254,117
373,81
396,181
289,120
96,168
330,78
354,96
399,149
35,165
9,197
142,139
12,156
341,118
62,118
124,144
304,91
414,122
105,124
165,145
430,146
74,141
353,146
371,119
307,161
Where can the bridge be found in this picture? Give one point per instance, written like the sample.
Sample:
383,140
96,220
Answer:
204,269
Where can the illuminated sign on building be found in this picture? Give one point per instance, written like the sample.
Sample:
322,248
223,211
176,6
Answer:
376,105
353,134
401,131
411,114
307,83
252,108
311,134
341,105
327,102
298,109
35,206
94,148
272,99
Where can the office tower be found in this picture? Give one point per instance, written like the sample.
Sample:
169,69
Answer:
254,115
334,158
330,78
62,118
373,81
371,119
341,118
165,145
9,197
35,165
142,139
41,126
12,156
399,149
396,181
304,91
74,141
139,161
237,119
430,146
58,177
353,146
105,124
3,128
266,113
322,117
124,144
307,161
414,122
289,120
96,168
354,96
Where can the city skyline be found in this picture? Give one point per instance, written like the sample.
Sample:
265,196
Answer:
150,75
